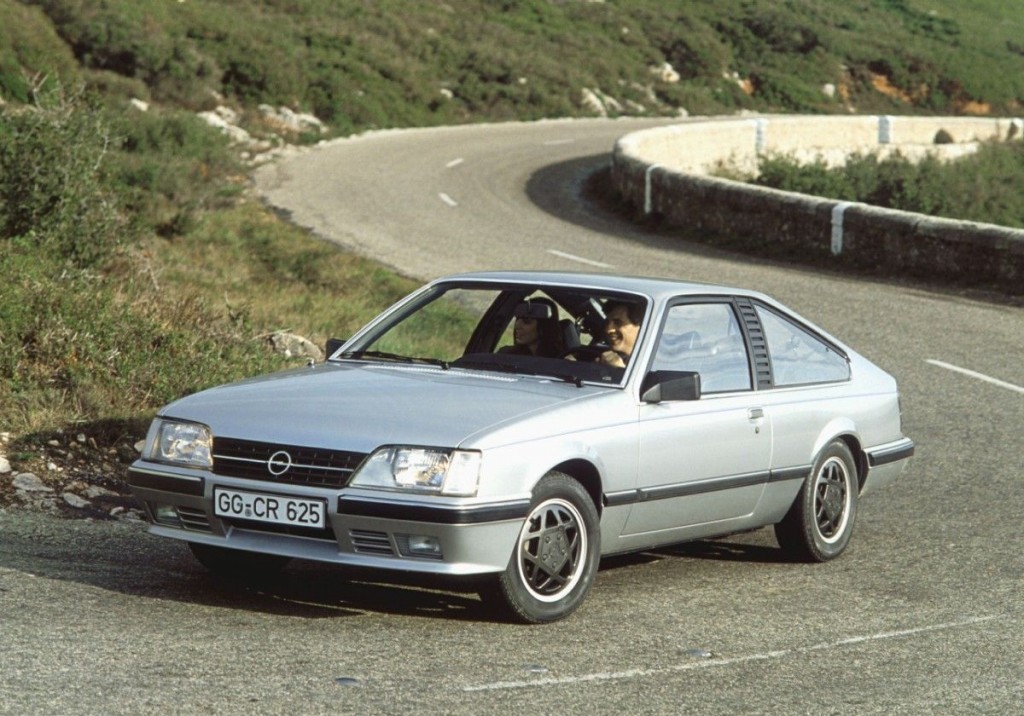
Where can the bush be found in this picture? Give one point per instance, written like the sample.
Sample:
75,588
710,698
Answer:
32,56
53,187
983,187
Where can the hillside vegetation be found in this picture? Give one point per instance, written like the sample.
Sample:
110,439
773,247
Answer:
135,266
392,63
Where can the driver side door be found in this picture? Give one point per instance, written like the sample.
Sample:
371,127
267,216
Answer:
702,462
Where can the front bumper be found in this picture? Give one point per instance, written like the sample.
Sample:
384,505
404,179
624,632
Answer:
365,528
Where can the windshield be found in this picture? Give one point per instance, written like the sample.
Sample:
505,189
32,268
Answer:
566,333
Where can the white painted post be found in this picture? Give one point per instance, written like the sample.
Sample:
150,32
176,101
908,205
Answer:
760,134
647,187
837,226
885,129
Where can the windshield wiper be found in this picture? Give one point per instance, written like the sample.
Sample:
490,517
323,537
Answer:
383,355
565,378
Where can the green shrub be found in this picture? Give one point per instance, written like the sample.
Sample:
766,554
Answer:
983,187
54,191
32,56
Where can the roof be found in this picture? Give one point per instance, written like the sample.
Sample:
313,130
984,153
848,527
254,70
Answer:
653,287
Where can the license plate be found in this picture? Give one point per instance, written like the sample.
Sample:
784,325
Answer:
275,509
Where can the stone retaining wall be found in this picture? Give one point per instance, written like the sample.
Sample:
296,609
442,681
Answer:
665,172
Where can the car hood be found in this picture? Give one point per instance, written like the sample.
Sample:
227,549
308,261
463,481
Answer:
361,407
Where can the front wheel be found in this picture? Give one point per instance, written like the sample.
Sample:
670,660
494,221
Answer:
819,525
556,555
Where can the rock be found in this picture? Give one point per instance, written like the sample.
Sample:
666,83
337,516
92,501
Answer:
236,134
600,103
665,73
290,120
27,482
139,104
76,501
131,515
5,465
292,345
94,491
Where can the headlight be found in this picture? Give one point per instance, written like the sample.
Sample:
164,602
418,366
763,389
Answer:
432,470
187,444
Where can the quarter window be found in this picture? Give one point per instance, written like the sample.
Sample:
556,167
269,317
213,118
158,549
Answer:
798,357
705,338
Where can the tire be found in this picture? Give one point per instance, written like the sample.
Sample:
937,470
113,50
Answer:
819,525
555,558
236,563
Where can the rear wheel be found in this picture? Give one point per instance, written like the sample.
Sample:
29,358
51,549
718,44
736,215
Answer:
236,563
819,525
556,555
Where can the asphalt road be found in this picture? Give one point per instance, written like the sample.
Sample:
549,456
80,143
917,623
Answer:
922,615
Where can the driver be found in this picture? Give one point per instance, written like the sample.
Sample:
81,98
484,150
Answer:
621,328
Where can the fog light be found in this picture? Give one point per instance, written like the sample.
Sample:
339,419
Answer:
419,546
166,515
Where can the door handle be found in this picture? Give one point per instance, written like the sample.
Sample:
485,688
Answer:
755,413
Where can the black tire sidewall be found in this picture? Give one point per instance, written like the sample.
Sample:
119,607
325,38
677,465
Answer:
524,605
821,549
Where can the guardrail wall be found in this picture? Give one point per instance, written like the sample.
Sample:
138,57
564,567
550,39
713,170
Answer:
665,172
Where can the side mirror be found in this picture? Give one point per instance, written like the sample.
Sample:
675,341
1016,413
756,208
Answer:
662,385
333,344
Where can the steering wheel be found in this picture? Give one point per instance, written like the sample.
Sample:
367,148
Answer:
591,353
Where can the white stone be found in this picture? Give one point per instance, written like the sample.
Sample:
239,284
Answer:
139,104
5,465
237,134
76,501
590,101
666,73
291,346
27,482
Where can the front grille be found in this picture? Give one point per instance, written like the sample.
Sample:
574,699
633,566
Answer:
193,519
367,542
316,467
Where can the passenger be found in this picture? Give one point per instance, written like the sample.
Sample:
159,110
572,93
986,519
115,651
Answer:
621,328
536,331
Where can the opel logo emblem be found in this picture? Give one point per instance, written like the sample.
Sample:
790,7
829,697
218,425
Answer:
279,463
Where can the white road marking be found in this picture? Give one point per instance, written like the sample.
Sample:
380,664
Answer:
578,259
448,200
556,142
708,663
454,163
975,374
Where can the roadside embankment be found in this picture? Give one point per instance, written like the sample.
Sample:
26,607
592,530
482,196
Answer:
666,173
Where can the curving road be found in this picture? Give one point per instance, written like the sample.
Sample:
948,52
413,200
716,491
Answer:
923,614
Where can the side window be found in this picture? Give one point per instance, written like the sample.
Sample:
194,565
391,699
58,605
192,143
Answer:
705,338
799,357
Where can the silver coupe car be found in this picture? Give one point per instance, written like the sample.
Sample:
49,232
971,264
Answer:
509,429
